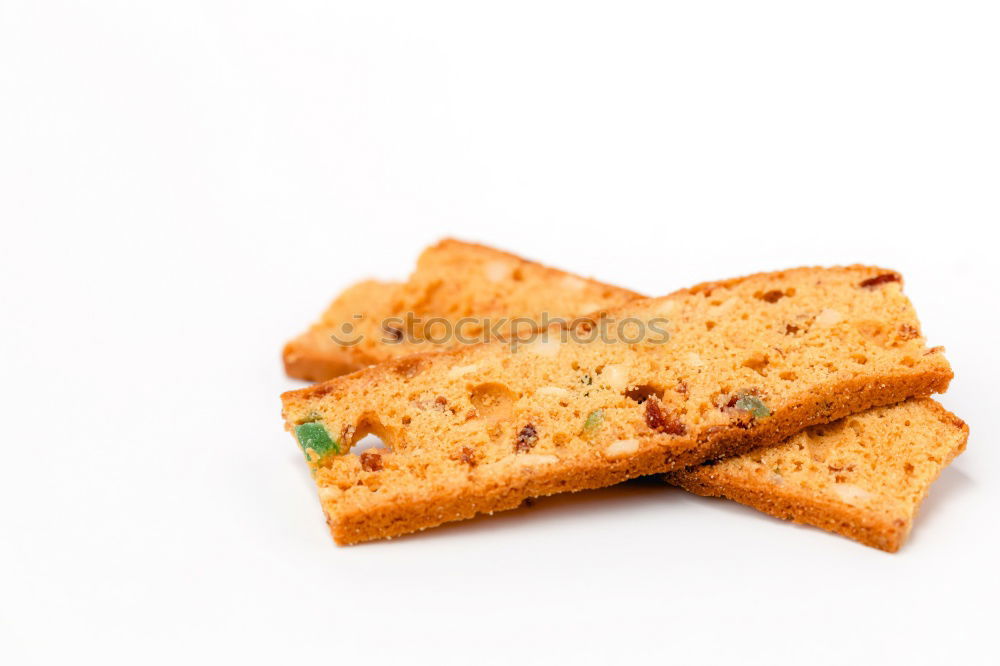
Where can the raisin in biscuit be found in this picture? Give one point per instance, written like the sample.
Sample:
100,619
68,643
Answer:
454,281
749,362
863,476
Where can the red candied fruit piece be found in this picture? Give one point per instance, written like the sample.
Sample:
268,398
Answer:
659,421
371,461
526,439
880,280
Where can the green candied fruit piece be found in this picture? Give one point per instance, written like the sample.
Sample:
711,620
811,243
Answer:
313,437
754,405
593,419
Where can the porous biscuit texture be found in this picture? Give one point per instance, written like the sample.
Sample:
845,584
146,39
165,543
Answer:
459,292
748,363
863,476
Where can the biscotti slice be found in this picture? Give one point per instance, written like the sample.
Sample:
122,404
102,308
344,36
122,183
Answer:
459,293
748,362
863,476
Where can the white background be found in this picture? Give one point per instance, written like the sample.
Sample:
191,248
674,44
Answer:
184,185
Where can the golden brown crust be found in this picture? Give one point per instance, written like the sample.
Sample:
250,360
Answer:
311,358
425,407
706,288
454,280
422,512
315,356
855,524
884,518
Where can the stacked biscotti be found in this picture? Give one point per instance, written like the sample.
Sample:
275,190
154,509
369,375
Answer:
801,393
459,292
